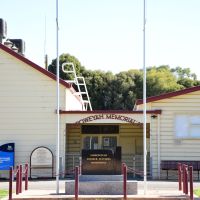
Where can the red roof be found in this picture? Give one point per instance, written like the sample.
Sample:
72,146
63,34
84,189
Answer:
169,95
33,65
110,112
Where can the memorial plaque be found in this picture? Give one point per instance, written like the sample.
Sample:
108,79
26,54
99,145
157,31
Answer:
41,158
100,162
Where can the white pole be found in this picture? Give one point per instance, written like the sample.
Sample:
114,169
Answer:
158,141
58,105
144,102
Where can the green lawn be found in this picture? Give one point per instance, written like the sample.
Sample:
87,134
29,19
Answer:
3,193
197,192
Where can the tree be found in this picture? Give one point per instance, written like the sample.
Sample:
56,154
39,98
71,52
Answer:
184,73
161,80
119,91
185,77
63,59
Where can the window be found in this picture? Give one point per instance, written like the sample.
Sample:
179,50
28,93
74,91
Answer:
99,142
187,126
100,129
90,142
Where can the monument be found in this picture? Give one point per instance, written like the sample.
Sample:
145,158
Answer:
101,162
101,174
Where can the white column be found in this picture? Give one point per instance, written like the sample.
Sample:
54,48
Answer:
144,102
158,145
58,105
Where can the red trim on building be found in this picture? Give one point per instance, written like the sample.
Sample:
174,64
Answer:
33,65
169,95
111,112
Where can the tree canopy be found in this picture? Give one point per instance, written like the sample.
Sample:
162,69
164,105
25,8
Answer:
119,91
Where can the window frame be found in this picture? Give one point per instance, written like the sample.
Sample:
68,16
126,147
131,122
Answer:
189,126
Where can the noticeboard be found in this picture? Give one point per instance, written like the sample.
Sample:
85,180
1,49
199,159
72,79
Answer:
41,158
7,156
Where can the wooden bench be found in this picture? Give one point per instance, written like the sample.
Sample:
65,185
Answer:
173,165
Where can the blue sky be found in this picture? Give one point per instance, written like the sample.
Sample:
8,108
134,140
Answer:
107,34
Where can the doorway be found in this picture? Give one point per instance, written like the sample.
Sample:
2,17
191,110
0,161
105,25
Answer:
99,136
99,142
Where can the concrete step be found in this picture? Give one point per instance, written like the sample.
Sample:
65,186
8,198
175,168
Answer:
47,194
101,198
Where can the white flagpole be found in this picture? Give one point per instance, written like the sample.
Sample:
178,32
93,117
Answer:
144,102
58,104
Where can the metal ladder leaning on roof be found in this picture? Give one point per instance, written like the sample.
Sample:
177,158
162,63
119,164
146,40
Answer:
80,82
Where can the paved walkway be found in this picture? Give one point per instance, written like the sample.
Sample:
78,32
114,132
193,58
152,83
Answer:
44,194
46,190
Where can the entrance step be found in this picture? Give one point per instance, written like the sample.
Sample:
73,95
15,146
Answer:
92,197
101,187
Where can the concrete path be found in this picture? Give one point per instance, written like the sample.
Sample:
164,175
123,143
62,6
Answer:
45,195
46,190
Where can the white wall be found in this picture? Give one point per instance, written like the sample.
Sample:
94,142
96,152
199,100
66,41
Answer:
172,147
27,108
72,102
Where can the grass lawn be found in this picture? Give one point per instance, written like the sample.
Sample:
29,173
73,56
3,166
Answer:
3,193
197,192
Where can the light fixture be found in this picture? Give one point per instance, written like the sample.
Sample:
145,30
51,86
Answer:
153,116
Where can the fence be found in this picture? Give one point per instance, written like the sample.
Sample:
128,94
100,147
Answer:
18,174
134,161
72,160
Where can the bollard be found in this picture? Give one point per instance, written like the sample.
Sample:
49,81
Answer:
179,177
17,179
10,182
26,176
122,168
183,166
191,182
20,178
80,167
186,179
125,181
76,182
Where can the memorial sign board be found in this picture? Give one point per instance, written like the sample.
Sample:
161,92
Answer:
100,162
7,156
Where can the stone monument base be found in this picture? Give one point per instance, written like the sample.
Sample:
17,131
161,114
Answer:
101,187
101,178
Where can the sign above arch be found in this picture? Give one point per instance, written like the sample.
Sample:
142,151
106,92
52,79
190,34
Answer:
109,117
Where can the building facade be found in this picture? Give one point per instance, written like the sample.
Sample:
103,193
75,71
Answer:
175,134
28,119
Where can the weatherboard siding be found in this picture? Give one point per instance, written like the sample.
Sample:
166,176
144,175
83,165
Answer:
28,104
172,148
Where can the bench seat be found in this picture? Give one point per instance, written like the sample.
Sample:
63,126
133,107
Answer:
173,165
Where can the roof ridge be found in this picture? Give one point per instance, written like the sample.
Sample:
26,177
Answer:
169,95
